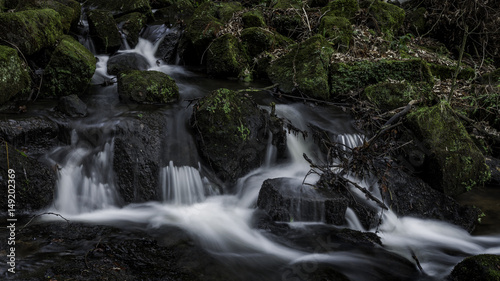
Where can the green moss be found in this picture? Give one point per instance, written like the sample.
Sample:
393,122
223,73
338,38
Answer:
391,95
286,24
257,40
34,29
345,77
226,58
304,69
14,77
287,4
389,17
454,164
418,21
492,77
120,7
337,29
341,8
481,267
69,70
147,87
104,31
253,18
131,25
68,9
447,72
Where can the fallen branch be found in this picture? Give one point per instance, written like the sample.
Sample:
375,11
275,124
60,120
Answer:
39,215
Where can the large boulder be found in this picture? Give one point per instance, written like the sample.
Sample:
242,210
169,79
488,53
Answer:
104,31
167,48
389,17
391,95
226,57
130,26
257,40
125,62
69,10
453,163
337,29
253,18
70,69
14,73
304,69
345,77
120,7
289,25
147,87
31,30
341,8
72,106
481,267
232,132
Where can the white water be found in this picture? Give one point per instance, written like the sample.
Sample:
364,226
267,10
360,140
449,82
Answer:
223,223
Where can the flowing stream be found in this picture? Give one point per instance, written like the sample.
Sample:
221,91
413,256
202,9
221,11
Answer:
221,221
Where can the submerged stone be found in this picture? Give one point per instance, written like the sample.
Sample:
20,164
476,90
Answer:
31,30
453,163
70,69
226,57
104,31
147,87
304,69
14,76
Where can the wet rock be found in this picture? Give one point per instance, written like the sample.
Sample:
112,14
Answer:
104,31
130,25
253,18
126,61
337,29
176,13
232,132
70,69
494,165
72,106
257,40
304,69
147,87
226,58
345,77
389,17
454,164
480,267
34,180
69,10
34,29
119,8
14,73
391,95
167,48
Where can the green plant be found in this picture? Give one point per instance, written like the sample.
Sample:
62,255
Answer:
244,131
480,217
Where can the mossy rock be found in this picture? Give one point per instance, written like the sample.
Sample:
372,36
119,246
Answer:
31,30
147,87
389,17
417,21
253,18
231,132
120,7
70,69
338,29
390,95
341,8
287,25
14,77
257,40
287,4
304,69
492,77
180,10
69,10
453,163
447,72
261,64
104,31
131,25
345,77
481,268
226,58
317,3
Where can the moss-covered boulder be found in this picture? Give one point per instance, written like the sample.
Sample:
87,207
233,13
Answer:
31,30
480,267
232,132
178,11
389,17
253,18
288,25
120,7
341,8
390,95
338,29
304,69
287,4
70,69
257,40
453,163
207,21
131,25
14,77
492,78
416,20
147,87
125,62
447,72
104,31
226,58
69,10
345,77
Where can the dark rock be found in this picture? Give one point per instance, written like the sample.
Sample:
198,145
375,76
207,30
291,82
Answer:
494,165
167,50
257,40
480,267
118,8
147,87
391,95
69,10
72,106
226,58
34,29
70,69
14,73
337,29
287,25
130,25
104,31
253,18
286,4
341,8
126,61
389,17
